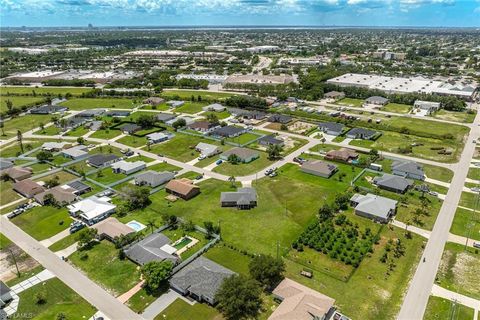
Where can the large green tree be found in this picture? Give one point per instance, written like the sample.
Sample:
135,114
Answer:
155,273
267,270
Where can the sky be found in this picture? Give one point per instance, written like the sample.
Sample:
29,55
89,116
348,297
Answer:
418,13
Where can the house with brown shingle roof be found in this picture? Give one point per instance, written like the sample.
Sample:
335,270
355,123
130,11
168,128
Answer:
342,154
182,188
62,194
300,302
111,228
27,188
18,173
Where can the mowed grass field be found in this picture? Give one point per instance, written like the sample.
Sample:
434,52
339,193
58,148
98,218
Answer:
59,299
397,107
466,223
23,123
94,103
18,102
181,147
187,94
439,309
464,117
350,102
43,90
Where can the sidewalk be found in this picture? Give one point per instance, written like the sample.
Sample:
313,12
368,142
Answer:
127,295
457,297
59,236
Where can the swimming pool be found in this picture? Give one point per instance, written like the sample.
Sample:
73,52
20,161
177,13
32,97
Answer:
135,225
182,243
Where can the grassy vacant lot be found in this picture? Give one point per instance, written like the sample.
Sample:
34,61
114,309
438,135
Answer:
12,150
133,141
164,167
369,293
107,176
243,169
439,309
474,173
397,107
464,117
43,90
63,177
43,222
220,115
438,173
94,103
18,102
187,94
104,267
181,147
59,299
78,131
8,195
191,107
458,270
392,141
106,134
469,200
23,123
180,310
466,223
49,131
350,101
243,138
229,258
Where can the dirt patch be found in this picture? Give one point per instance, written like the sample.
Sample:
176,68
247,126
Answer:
445,262
273,126
465,272
300,127
7,265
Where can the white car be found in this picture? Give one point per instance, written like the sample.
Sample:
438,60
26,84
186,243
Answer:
201,157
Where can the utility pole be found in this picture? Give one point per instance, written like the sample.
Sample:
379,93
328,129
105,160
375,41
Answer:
470,223
15,261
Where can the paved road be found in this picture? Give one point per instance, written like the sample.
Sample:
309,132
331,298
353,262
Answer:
421,285
73,278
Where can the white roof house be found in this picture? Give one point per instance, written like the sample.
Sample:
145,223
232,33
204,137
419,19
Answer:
426,107
92,209
217,107
158,137
52,146
75,152
126,167
373,206
207,149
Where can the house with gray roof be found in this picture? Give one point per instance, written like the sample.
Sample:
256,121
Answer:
244,154
319,168
130,128
117,113
243,198
428,107
377,100
5,163
270,140
175,103
164,117
334,95
393,183
150,249
158,137
127,167
408,169
92,113
102,159
153,179
200,279
79,187
373,207
331,128
217,107
228,132
361,133
76,152
279,118
5,295
48,109
207,149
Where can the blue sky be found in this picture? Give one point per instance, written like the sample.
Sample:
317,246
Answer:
448,13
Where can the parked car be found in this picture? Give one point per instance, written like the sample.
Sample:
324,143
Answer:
200,176
476,244
273,174
15,213
76,226
220,161
201,157
475,189
433,193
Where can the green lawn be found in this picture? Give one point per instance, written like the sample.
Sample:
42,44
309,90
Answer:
107,176
64,243
25,275
191,107
94,103
49,131
180,310
78,131
18,102
350,101
397,107
106,134
160,107
187,94
59,299
142,299
244,138
229,258
43,222
133,141
438,173
220,115
243,169
164,167
469,200
104,267
63,177
8,195
23,123
4,241
181,147
40,167
466,223
43,90
12,150
440,309
462,116
458,270
474,173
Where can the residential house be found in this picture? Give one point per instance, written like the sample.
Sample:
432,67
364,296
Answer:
130,128
342,154
334,95
94,125
331,128
158,137
203,126
361,133
319,168
18,173
188,120
155,247
279,118
245,155
428,107
408,169
200,279
376,100
5,294
182,188
79,187
243,198
127,167
154,101
164,117
216,107
111,228
153,179
92,113
48,109
5,163
175,103
92,209
207,150
228,132
270,140
27,188
117,113
102,159
393,183
299,302
76,152
374,207
61,194
55,146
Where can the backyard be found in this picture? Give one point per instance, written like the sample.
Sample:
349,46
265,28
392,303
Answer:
94,103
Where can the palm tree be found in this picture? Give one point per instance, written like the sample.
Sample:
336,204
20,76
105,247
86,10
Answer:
232,180
1,127
151,224
19,139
